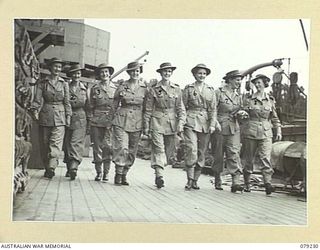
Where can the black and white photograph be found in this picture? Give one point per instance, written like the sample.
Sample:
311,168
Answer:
171,121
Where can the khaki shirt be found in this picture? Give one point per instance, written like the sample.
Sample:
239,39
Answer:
101,104
164,108
227,107
53,100
262,116
79,104
129,105
200,106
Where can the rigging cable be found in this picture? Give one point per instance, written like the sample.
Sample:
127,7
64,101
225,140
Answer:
304,34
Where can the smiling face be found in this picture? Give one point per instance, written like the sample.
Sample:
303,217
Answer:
259,84
166,74
104,74
134,74
55,68
200,75
75,76
235,82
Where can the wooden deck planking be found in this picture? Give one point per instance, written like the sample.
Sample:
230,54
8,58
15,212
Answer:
48,204
87,200
93,199
184,204
79,209
28,204
86,184
188,199
151,207
163,201
250,213
268,204
189,204
137,202
123,202
175,207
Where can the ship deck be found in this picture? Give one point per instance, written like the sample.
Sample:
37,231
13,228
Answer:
85,200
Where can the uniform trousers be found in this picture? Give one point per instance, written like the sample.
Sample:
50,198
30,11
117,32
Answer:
257,153
228,145
162,150
102,147
51,141
125,147
196,144
74,141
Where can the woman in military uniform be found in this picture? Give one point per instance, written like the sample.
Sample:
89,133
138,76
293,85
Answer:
100,116
164,117
200,103
257,132
226,139
75,135
129,105
52,100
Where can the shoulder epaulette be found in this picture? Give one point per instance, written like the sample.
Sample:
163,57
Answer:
94,86
83,86
210,87
61,79
114,85
176,85
142,84
154,84
272,98
190,85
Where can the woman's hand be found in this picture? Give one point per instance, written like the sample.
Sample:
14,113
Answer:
146,132
218,127
279,134
180,128
242,114
212,129
278,137
34,114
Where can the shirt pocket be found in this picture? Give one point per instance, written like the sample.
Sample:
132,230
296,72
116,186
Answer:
172,100
59,94
77,120
267,129
191,120
45,115
251,130
62,113
193,97
138,121
119,119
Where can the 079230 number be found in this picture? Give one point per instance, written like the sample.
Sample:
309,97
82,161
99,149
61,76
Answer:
309,246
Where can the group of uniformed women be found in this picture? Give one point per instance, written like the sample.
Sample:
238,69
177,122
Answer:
117,116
